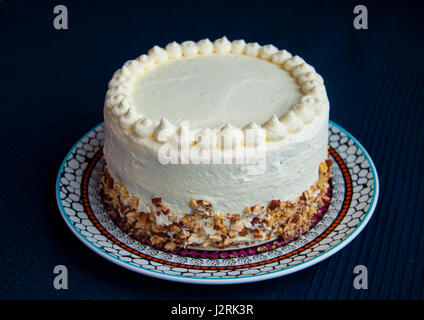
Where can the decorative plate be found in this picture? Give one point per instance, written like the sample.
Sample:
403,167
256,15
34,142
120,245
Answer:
354,197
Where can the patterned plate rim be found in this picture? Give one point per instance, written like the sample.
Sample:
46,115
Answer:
228,280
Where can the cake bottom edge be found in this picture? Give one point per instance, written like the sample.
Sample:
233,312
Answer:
203,228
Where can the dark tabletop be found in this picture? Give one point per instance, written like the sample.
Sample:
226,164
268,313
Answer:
52,88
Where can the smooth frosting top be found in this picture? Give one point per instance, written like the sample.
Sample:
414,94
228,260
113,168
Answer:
218,85
210,91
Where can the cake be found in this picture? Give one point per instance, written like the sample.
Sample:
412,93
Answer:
215,145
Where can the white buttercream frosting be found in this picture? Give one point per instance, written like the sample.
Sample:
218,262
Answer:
144,128
308,85
232,77
205,138
309,76
114,97
132,65
118,89
123,72
118,80
315,103
163,131
292,62
183,137
254,135
146,61
292,122
304,112
230,137
275,130
280,56
221,88
240,88
158,54
129,118
205,46
237,46
291,168
122,108
189,48
222,45
252,49
267,51
174,50
301,69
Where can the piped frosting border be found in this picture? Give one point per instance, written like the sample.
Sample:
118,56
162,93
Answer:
310,105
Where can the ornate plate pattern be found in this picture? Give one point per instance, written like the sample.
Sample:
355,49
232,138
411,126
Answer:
354,197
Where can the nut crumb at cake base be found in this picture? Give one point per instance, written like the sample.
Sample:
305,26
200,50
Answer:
202,227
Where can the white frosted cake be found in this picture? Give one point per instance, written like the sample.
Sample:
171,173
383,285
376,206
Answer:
215,145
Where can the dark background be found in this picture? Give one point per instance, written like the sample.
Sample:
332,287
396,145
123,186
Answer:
52,87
